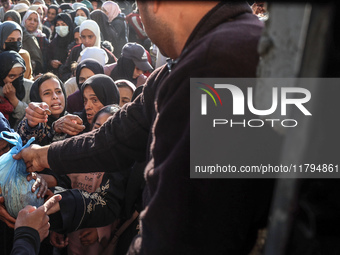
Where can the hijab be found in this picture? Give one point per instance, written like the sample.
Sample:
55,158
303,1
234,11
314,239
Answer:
84,9
54,7
62,42
91,64
35,96
109,33
6,29
104,88
7,60
94,28
65,7
14,15
37,32
95,53
112,9
124,70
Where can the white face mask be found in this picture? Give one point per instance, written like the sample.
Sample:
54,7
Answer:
62,31
79,19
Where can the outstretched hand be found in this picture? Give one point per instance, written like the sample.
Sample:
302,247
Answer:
35,157
37,218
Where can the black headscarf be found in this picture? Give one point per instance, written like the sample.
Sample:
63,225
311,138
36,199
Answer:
124,70
65,7
61,50
104,88
108,32
14,15
91,64
54,7
7,60
35,96
6,29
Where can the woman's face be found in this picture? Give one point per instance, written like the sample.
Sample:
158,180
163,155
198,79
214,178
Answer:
88,38
125,95
100,120
77,38
136,72
51,93
80,12
15,36
15,73
32,22
60,23
91,103
51,13
85,73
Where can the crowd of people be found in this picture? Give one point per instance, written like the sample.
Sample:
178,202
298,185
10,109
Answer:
79,77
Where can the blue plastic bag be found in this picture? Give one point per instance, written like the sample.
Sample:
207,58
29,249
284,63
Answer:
16,190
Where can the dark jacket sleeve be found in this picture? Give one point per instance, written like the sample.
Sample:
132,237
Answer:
80,209
115,146
26,241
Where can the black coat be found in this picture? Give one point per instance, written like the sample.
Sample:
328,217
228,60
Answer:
184,215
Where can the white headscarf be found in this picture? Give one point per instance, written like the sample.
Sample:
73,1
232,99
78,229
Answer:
112,9
94,28
95,53
37,32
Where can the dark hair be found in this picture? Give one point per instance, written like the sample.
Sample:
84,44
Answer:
110,109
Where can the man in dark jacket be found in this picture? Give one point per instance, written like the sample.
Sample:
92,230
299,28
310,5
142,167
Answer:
181,215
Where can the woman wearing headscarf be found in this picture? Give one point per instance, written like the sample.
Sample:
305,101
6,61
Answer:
117,20
97,91
57,50
65,7
50,90
108,32
52,12
90,37
131,65
40,10
29,43
11,39
85,70
81,14
13,86
31,21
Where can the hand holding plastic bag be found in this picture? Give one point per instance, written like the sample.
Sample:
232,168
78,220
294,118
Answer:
16,190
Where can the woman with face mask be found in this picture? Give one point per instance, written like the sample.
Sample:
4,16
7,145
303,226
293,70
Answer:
57,50
13,86
90,37
82,14
29,43
11,39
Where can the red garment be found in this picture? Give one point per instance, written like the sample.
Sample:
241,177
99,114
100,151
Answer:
5,107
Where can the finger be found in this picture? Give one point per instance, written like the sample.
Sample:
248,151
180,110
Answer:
36,184
2,200
17,156
29,177
50,203
9,224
